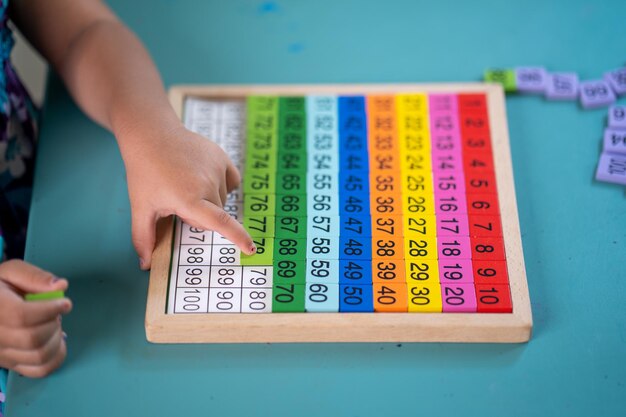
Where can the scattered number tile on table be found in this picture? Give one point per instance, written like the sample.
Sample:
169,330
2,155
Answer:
531,79
562,86
506,77
596,93
617,117
612,168
614,141
617,80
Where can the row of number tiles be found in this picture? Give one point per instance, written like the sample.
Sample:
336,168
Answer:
210,279
322,246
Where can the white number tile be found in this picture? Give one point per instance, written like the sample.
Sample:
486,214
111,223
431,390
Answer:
191,300
225,277
235,209
257,276
200,109
225,300
195,237
193,277
256,300
194,255
234,110
205,129
225,255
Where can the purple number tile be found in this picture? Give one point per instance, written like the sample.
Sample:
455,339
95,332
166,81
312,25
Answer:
617,80
612,168
614,141
617,117
596,93
531,79
562,86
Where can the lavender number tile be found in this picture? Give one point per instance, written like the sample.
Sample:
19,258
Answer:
612,168
562,86
614,141
531,79
596,93
617,117
617,80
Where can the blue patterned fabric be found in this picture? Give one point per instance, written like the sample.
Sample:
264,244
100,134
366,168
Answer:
18,132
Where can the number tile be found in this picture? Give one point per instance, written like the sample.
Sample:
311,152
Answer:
458,298
355,298
493,298
390,297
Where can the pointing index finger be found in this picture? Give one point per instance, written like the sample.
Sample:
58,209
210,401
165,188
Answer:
208,216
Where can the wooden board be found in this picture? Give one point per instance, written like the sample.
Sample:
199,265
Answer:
352,327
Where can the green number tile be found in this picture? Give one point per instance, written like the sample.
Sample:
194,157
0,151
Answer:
288,298
290,249
291,160
290,227
292,205
295,104
259,161
291,182
262,103
260,204
259,181
260,226
506,77
264,254
289,272
45,296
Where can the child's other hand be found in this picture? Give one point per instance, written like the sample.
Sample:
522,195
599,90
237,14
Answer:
32,342
179,172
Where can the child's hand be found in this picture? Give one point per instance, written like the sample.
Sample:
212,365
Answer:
31,339
179,172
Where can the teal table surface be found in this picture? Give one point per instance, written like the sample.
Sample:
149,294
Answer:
573,228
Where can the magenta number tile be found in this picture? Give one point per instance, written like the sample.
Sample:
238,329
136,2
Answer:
450,224
458,298
596,93
453,247
455,271
612,168
562,86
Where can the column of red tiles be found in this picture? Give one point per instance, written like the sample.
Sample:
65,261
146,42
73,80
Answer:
485,227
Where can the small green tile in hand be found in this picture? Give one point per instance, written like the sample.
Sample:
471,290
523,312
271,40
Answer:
45,296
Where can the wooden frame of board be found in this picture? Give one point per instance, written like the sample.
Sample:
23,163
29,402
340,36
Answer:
352,327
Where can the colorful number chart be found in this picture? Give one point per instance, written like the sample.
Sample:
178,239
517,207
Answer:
380,213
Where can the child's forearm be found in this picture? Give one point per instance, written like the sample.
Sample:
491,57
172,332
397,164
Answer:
169,169
105,67
113,79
